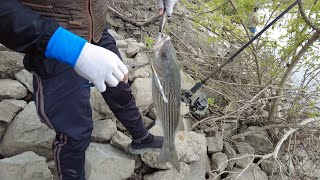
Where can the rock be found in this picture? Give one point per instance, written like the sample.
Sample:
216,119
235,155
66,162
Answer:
213,176
257,130
171,174
10,63
121,44
254,173
244,148
260,142
310,164
120,125
243,161
103,160
132,50
198,169
25,166
100,109
152,113
120,141
9,109
142,91
187,82
125,59
114,34
230,128
189,146
144,72
146,120
269,167
26,78
215,144
12,89
184,109
231,153
103,130
2,129
219,160
279,177
156,130
53,169
142,58
27,133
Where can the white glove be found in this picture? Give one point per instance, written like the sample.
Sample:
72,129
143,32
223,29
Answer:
100,65
167,5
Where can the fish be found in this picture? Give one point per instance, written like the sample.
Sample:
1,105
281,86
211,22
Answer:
166,94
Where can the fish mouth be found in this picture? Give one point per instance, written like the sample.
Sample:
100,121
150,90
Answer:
160,40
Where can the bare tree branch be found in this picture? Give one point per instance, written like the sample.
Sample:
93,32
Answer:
133,22
306,19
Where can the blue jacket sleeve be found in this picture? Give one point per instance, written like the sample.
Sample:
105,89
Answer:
23,30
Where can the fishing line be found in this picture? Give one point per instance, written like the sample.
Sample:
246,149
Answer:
186,96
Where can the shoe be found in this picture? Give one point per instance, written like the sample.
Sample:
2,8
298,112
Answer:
146,144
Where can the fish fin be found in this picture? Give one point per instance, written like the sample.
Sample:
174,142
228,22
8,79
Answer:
168,154
158,85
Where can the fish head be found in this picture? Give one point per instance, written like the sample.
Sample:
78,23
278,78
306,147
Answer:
165,55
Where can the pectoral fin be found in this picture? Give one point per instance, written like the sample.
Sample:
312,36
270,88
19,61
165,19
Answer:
158,85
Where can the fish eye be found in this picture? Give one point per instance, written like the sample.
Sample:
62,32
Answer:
163,55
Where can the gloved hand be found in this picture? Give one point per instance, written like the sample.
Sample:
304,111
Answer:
166,5
92,62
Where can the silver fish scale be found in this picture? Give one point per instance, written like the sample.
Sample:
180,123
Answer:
169,113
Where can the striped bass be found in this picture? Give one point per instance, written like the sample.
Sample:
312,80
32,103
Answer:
166,94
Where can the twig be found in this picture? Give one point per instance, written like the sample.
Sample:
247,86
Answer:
306,19
137,24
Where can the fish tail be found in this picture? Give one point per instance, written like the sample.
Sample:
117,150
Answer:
169,154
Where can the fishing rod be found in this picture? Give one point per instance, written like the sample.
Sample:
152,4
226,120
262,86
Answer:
201,102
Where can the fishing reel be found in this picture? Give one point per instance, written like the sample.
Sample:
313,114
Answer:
196,101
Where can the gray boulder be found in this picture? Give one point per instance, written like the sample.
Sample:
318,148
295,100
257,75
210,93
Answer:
230,152
215,144
189,146
171,174
25,166
8,110
114,34
198,169
12,89
104,161
103,130
243,161
253,173
132,50
100,109
120,141
26,78
269,167
27,133
244,148
10,63
142,91
187,82
260,142
219,161
121,44
53,169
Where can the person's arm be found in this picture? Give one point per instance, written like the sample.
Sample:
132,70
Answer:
22,29
25,31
